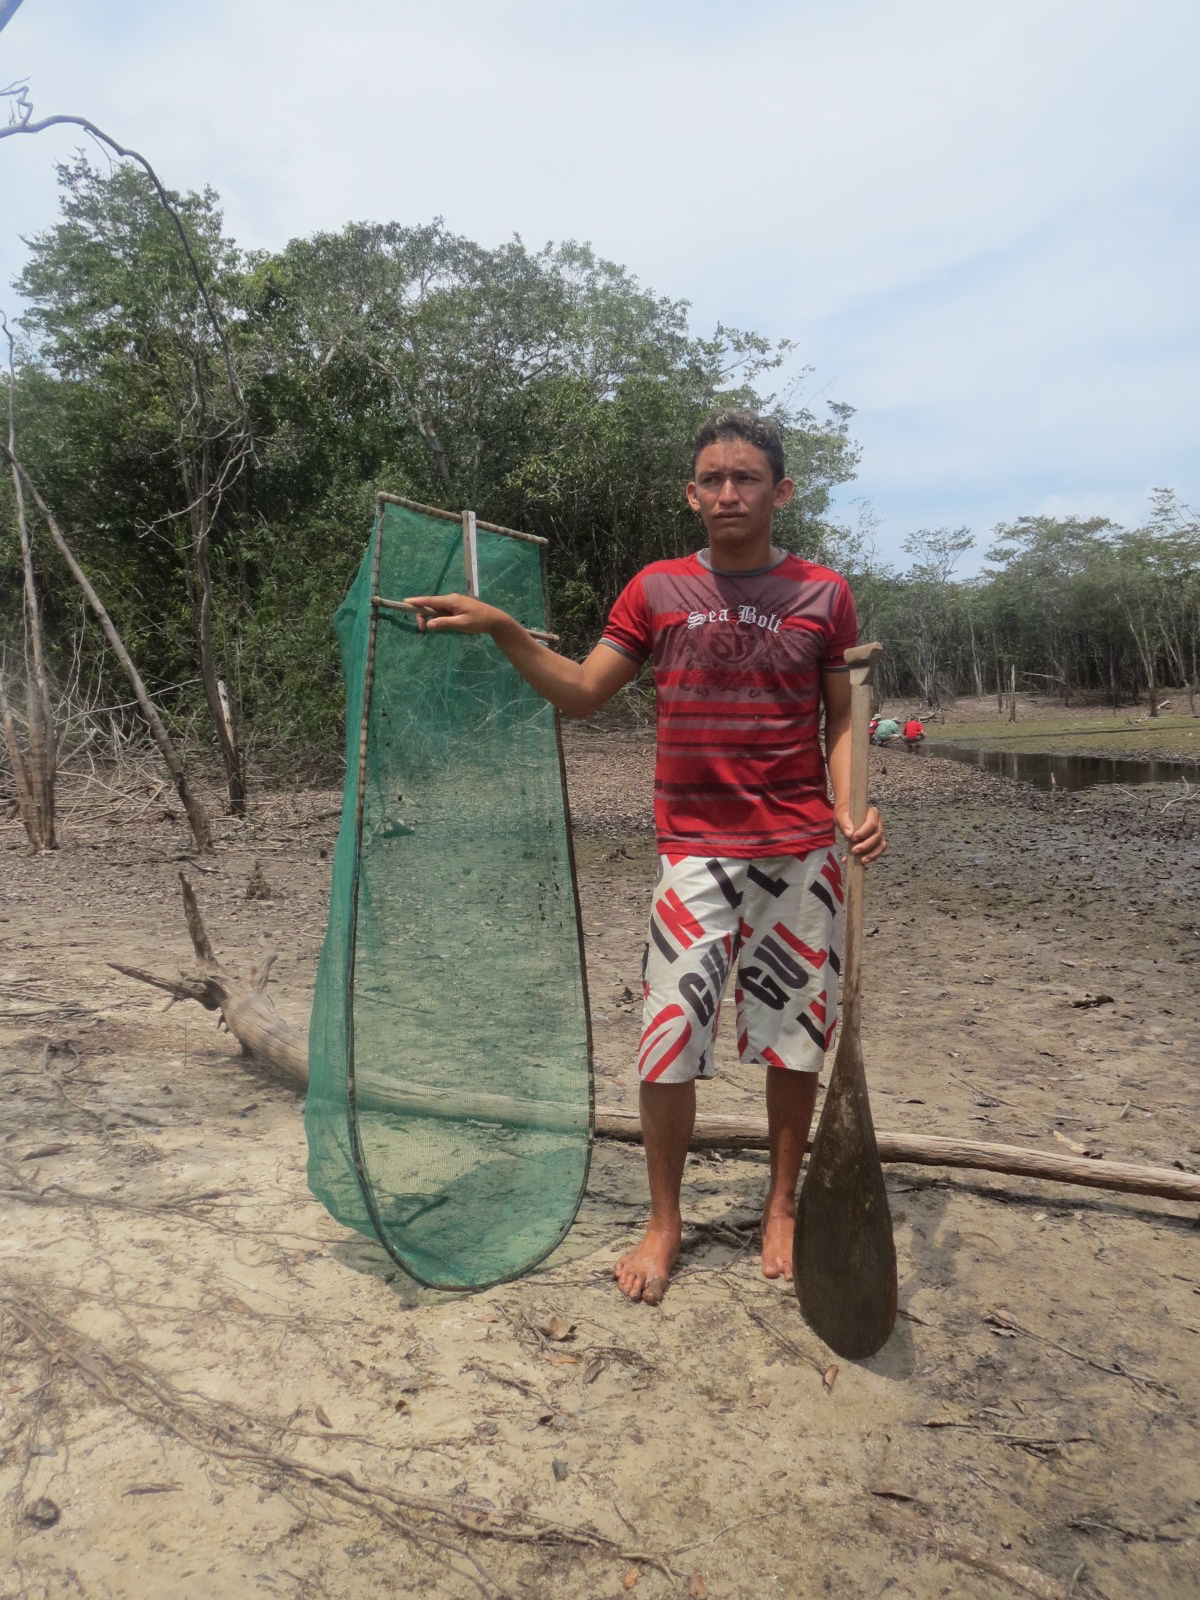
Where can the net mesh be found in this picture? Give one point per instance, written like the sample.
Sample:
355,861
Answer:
449,1109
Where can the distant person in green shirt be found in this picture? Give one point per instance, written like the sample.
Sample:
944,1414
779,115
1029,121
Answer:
885,729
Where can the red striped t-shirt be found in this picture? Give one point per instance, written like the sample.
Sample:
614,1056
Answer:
738,658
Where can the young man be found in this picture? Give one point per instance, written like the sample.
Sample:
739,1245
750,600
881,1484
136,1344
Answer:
746,642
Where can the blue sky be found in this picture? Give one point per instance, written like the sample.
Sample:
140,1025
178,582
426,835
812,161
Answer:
979,222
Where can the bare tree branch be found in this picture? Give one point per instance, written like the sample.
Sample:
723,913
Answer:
24,124
206,498
43,755
196,813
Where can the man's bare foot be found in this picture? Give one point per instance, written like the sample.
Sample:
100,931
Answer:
778,1232
643,1273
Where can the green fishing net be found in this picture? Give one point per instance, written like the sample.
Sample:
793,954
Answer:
449,1108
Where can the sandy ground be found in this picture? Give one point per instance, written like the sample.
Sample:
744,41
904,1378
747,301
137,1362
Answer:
207,1388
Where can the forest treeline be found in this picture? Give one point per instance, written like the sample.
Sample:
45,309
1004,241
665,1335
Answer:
1077,607
214,458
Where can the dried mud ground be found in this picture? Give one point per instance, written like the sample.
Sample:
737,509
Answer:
208,1388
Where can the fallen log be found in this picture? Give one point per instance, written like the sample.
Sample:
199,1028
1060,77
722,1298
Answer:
935,1150
249,1014
245,1007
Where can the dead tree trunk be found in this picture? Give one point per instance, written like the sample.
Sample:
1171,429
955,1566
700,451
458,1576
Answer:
16,759
975,672
197,815
245,1007
1147,647
224,725
248,1013
226,728
39,773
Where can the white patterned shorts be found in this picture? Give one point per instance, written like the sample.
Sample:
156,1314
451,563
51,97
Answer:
779,924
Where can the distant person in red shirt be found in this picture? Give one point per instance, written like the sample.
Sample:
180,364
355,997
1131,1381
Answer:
747,642
914,732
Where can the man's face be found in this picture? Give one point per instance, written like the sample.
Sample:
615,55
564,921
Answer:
734,492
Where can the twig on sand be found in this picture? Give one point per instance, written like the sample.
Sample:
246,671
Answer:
508,1380
184,1208
1035,1444
1090,1524
954,1545
1190,792
738,1235
773,1332
700,1544
228,1435
997,1319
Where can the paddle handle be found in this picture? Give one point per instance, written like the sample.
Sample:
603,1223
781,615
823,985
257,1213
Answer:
861,661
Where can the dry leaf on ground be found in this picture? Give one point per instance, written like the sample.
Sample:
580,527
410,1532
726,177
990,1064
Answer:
1072,1144
43,1512
557,1328
1091,1150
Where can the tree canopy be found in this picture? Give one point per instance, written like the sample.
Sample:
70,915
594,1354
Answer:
216,462
545,389
1071,605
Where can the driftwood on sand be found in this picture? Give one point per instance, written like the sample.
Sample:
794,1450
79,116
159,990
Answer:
246,1008
248,1012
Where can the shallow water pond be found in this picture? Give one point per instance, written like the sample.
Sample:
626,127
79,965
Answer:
1047,771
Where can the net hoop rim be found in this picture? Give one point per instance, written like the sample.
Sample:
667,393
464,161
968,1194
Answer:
365,1185
383,499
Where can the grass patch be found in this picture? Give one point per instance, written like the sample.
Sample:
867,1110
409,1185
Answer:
1176,737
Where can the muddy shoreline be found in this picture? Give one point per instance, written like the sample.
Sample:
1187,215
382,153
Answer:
201,1325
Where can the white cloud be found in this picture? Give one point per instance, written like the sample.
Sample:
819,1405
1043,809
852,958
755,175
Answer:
979,221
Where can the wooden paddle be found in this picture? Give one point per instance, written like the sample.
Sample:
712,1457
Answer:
844,1257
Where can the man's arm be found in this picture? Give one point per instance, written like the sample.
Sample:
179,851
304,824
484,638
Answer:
867,841
576,687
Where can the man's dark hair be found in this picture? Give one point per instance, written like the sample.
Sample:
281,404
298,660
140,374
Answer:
741,423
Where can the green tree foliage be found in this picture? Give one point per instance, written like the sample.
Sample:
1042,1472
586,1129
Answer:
1074,605
932,613
149,431
545,389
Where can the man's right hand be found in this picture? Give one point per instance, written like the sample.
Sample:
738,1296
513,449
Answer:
456,613
575,687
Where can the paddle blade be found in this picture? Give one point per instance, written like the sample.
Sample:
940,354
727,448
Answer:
844,1258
